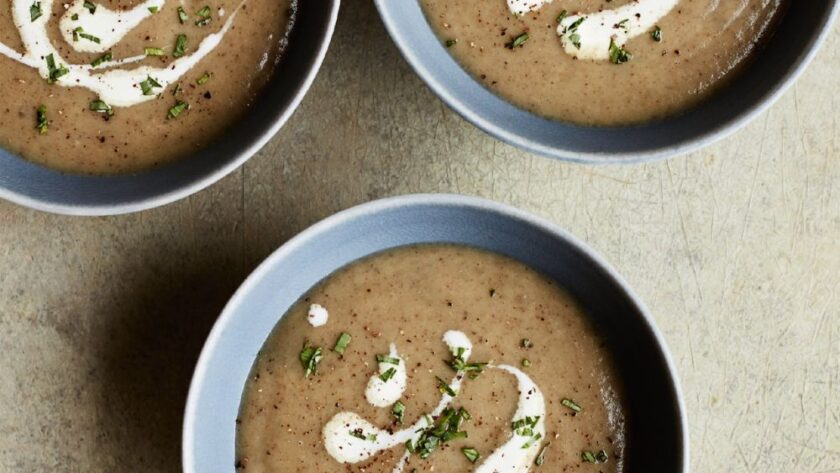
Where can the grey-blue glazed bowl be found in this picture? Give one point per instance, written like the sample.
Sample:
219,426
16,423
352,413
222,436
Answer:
41,188
657,430
794,44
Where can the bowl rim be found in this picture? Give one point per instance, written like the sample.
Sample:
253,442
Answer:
387,13
304,238
203,181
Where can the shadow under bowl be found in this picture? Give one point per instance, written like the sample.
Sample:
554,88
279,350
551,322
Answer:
41,188
656,423
787,53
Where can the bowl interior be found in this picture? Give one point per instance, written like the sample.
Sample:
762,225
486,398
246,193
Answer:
786,54
656,424
39,187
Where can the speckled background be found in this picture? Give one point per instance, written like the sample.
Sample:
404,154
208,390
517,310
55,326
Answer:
736,249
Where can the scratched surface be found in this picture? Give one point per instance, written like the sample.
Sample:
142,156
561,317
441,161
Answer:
736,250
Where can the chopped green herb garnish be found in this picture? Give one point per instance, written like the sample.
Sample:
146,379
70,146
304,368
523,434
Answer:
309,356
588,457
102,59
75,17
399,411
447,427
343,339
451,42
571,405
471,454
154,51
446,388
203,16
360,434
518,41
55,72
387,359
42,123
203,79
526,363
90,7
388,374
182,15
526,428
531,441
618,55
153,10
35,11
563,14
80,33
574,26
526,343
180,46
541,456
602,456
656,34
177,90
622,24
571,32
148,85
101,107
459,364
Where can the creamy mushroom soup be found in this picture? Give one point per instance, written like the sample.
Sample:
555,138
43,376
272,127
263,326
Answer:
91,86
606,62
433,358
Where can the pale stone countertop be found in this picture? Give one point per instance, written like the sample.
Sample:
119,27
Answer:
736,250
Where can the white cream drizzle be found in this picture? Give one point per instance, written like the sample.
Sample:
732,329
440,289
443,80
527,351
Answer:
384,393
345,447
318,315
618,25
117,87
521,7
594,34
110,26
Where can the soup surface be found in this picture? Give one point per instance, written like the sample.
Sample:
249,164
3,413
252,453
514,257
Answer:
462,354
603,62
133,84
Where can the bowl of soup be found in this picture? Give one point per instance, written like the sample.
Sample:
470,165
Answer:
114,107
435,333
608,81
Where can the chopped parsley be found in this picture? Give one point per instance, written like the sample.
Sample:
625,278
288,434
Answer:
619,55
387,359
180,46
541,456
471,454
90,7
459,364
154,51
42,123
148,85
572,33
343,339
388,374
153,10
399,412
100,106
571,405
446,388
182,15
204,17
360,434
562,16
309,356
447,427
55,72
518,41
102,59
80,33
35,11
75,17
203,79
656,34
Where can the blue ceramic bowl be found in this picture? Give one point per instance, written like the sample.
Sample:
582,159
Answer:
657,430
45,189
794,44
